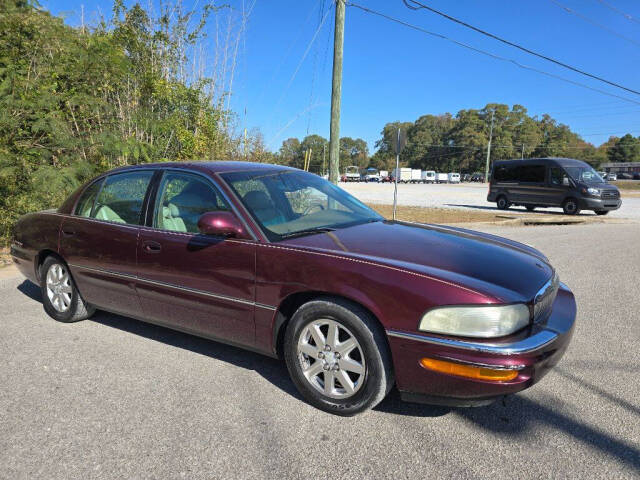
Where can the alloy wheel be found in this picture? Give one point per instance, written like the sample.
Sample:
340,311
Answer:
331,358
59,288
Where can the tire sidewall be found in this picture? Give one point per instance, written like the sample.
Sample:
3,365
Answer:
505,205
68,315
375,377
569,211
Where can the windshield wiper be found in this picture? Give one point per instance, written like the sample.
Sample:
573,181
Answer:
308,231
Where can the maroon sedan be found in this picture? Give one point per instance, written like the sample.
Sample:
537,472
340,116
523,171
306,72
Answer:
280,261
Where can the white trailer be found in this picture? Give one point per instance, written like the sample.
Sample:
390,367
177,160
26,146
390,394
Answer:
454,177
383,174
416,175
428,176
403,174
442,178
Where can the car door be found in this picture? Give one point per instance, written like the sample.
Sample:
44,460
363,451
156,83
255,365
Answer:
99,240
192,282
559,185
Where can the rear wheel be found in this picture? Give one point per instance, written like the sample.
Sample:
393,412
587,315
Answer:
338,357
531,208
502,202
571,207
60,296
602,212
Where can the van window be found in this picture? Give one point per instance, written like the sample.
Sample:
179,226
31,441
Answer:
531,173
503,174
558,176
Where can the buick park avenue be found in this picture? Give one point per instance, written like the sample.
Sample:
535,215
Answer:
279,261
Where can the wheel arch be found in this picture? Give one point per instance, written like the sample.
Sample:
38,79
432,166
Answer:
292,302
42,256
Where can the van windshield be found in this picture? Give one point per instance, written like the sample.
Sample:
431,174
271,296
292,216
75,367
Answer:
584,174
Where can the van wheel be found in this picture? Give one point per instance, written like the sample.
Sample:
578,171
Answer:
531,208
602,212
502,202
571,207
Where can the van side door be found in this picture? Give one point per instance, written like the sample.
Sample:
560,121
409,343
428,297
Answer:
559,185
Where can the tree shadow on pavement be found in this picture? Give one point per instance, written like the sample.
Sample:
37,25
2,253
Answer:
518,414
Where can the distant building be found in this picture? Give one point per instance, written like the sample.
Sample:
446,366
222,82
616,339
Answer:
617,167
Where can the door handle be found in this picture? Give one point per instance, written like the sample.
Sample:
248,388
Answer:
68,233
151,247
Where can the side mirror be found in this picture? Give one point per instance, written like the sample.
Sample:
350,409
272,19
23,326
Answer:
221,224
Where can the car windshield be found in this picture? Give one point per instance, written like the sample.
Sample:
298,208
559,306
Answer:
294,203
583,174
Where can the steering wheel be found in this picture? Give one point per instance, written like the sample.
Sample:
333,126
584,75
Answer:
310,208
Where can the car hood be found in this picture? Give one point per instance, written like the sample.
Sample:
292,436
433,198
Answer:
496,267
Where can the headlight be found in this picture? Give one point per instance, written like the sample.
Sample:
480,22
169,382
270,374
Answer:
593,191
478,321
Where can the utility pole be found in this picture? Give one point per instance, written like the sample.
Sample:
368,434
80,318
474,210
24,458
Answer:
336,93
486,168
395,177
522,156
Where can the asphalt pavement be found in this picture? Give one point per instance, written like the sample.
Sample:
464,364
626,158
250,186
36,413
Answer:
112,397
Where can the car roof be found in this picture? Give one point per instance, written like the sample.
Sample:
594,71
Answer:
545,161
210,167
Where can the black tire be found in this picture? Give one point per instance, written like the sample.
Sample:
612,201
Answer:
502,202
571,207
602,212
378,376
530,208
77,308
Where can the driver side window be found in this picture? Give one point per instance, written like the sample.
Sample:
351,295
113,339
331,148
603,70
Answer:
558,177
182,199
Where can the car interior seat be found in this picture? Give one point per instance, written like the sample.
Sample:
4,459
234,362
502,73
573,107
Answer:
263,208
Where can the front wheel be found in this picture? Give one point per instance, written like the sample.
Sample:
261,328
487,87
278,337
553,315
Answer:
602,212
338,356
571,207
60,296
530,208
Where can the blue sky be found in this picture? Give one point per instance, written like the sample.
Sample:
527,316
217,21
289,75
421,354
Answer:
394,73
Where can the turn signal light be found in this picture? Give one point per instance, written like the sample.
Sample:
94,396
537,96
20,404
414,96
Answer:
468,371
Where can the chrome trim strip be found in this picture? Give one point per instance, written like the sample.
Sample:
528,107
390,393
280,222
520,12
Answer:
175,287
529,344
483,365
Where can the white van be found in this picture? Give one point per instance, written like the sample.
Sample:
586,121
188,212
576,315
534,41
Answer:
454,178
428,176
442,178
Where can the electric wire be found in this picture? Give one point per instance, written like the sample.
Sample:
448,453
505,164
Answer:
489,54
570,11
629,17
421,6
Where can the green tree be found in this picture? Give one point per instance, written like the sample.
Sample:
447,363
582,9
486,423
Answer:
625,149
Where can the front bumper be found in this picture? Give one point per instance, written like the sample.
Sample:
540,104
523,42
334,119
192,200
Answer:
532,353
592,203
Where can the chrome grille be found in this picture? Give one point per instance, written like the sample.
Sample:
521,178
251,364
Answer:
543,301
605,194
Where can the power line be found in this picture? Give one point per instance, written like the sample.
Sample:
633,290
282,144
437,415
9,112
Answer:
593,22
515,45
625,15
489,54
